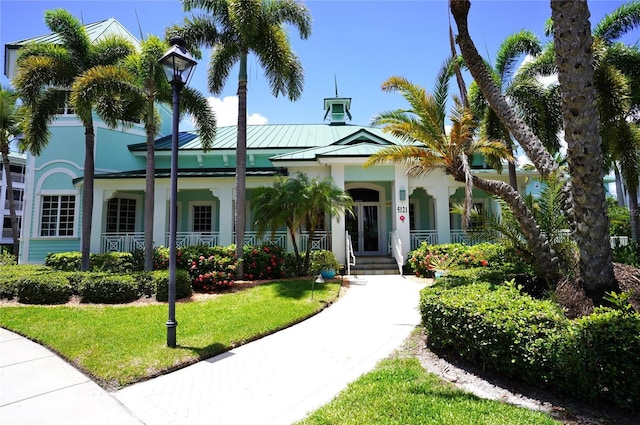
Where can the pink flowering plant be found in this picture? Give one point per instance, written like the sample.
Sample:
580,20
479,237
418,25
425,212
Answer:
426,259
211,268
266,261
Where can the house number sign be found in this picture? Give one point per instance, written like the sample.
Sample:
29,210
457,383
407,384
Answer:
403,210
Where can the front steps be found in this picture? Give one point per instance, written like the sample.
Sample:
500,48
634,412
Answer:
375,265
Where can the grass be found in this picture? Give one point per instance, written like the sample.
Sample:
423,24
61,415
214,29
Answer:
119,345
400,391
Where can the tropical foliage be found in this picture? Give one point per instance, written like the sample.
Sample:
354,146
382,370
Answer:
235,29
44,80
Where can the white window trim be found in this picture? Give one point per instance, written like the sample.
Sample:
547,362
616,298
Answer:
76,212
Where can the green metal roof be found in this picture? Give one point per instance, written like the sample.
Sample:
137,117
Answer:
335,151
190,173
288,137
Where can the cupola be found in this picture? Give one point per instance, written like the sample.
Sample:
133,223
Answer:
337,108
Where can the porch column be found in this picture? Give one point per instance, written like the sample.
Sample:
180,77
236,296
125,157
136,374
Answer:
160,217
338,242
96,220
440,194
226,218
400,198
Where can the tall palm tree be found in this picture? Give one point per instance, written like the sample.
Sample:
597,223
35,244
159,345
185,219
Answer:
130,91
585,207
234,29
430,146
11,118
45,75
513,47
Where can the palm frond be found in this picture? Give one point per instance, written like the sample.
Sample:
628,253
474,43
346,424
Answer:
619,22
195,103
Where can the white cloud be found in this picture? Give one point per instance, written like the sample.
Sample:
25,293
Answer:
226,110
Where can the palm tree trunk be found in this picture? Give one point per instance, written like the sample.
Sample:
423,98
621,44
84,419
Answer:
551,265
12,205
87,195
150,187
241,163
574,58
542,160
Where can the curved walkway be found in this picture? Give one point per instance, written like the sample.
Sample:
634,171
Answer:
275,380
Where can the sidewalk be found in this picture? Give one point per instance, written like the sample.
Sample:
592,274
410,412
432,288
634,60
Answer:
275,380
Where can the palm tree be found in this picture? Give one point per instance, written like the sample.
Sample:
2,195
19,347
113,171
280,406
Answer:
11,118
277,205
234,29
46,72
429,146
585,206
131,90
514,46
321,196
298,201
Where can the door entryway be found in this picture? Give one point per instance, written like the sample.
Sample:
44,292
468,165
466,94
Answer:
364,224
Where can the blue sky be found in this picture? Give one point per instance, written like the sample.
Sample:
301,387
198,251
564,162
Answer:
359,43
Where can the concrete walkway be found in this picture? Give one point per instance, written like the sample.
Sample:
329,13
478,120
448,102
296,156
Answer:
275,380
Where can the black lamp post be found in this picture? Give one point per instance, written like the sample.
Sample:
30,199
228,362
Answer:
178,65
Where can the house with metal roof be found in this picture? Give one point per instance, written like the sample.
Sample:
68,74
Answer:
393,213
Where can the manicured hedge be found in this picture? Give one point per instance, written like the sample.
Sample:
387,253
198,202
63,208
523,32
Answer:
108,288
11,275
161,283
496,326
43,288
115,262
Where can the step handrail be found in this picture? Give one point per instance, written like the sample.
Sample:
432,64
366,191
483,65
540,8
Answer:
349,253
396,250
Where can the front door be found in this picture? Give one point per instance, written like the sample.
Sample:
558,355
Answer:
364,224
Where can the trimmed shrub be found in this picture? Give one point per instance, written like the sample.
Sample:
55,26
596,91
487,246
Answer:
599,357
11,275
65,261
493,325
593,357
47,288
114,262
161,283
108,288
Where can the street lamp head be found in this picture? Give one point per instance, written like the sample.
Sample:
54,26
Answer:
177,62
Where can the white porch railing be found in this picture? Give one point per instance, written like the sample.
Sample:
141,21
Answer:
349,255
279,238
184,239
419,236
122,242
396,249
321,240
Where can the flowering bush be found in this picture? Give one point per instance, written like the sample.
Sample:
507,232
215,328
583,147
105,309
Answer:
214,267
428,258
266,261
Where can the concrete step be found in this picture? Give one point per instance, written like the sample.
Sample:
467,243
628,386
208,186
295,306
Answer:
378,265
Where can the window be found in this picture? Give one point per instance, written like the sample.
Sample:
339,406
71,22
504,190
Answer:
58,215
121,215
202,218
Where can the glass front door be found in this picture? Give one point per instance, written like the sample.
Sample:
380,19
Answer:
363,228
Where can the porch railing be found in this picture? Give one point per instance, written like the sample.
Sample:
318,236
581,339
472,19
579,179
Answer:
279,238
321,240
184,239
122,242
419,236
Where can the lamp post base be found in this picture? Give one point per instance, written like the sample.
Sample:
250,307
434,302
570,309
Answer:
171,333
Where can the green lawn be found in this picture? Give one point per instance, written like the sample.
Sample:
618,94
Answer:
399,391
119,345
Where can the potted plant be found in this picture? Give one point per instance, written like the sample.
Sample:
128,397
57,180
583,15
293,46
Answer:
324,262
440,265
